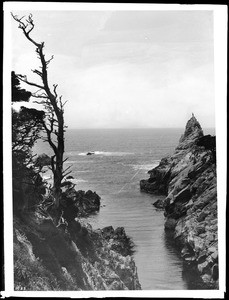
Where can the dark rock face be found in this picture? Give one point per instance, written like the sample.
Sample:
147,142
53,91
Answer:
79,203
159,178
71,255
76,257
120,241
159,204
188,180
192,132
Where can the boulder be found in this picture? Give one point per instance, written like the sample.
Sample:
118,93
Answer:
108,232
170,224
79,203
159,203
119,240
90,153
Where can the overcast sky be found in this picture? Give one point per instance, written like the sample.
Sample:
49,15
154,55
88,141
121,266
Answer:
125,69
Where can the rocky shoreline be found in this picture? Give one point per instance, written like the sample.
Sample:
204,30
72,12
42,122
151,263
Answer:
187,178
49,258
71,255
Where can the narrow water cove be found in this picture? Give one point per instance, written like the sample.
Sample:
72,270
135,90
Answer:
120,159
158,265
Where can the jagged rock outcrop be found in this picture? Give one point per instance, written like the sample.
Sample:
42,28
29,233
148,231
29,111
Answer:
70,257
73,203
85,203
120,241
188,180
193,131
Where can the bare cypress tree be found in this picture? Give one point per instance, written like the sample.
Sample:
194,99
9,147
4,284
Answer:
53,106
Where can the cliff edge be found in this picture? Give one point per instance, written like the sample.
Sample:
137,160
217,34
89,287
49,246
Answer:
70,255
76,258
187,178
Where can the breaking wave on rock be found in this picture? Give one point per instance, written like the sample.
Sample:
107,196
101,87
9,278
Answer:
146,167
105,153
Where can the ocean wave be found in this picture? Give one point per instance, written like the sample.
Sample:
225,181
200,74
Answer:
75,180
106,153
146,167
76,161
47,177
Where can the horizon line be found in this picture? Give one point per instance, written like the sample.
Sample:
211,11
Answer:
135,128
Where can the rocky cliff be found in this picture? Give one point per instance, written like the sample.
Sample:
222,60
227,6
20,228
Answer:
49,258
188,180
71,255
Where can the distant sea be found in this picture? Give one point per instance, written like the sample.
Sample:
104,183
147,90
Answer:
120,159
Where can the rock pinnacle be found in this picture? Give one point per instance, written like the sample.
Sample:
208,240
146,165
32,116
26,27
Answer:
193,131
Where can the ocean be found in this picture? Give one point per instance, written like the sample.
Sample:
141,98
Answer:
120,159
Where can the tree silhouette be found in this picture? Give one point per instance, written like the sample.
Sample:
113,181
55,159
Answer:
18,94
54,108
26,127
26,123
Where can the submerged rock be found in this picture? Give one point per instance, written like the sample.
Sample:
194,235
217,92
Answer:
90,153
187,178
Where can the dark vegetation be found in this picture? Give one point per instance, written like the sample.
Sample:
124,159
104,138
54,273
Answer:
52,120
209,143
28,187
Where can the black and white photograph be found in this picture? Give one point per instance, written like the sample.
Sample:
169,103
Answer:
114,153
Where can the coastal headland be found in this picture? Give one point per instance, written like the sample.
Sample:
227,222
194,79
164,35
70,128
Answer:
187,178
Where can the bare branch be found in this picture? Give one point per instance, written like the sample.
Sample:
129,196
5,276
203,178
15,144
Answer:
39,96
66,174
24,79
37,72
54,89
48,61
64,103
66,170
49,138
38,91
24,26
65,159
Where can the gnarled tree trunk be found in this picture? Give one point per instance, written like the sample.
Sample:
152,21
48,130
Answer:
54,109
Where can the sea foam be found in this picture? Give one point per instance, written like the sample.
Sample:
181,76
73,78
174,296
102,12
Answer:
105,153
